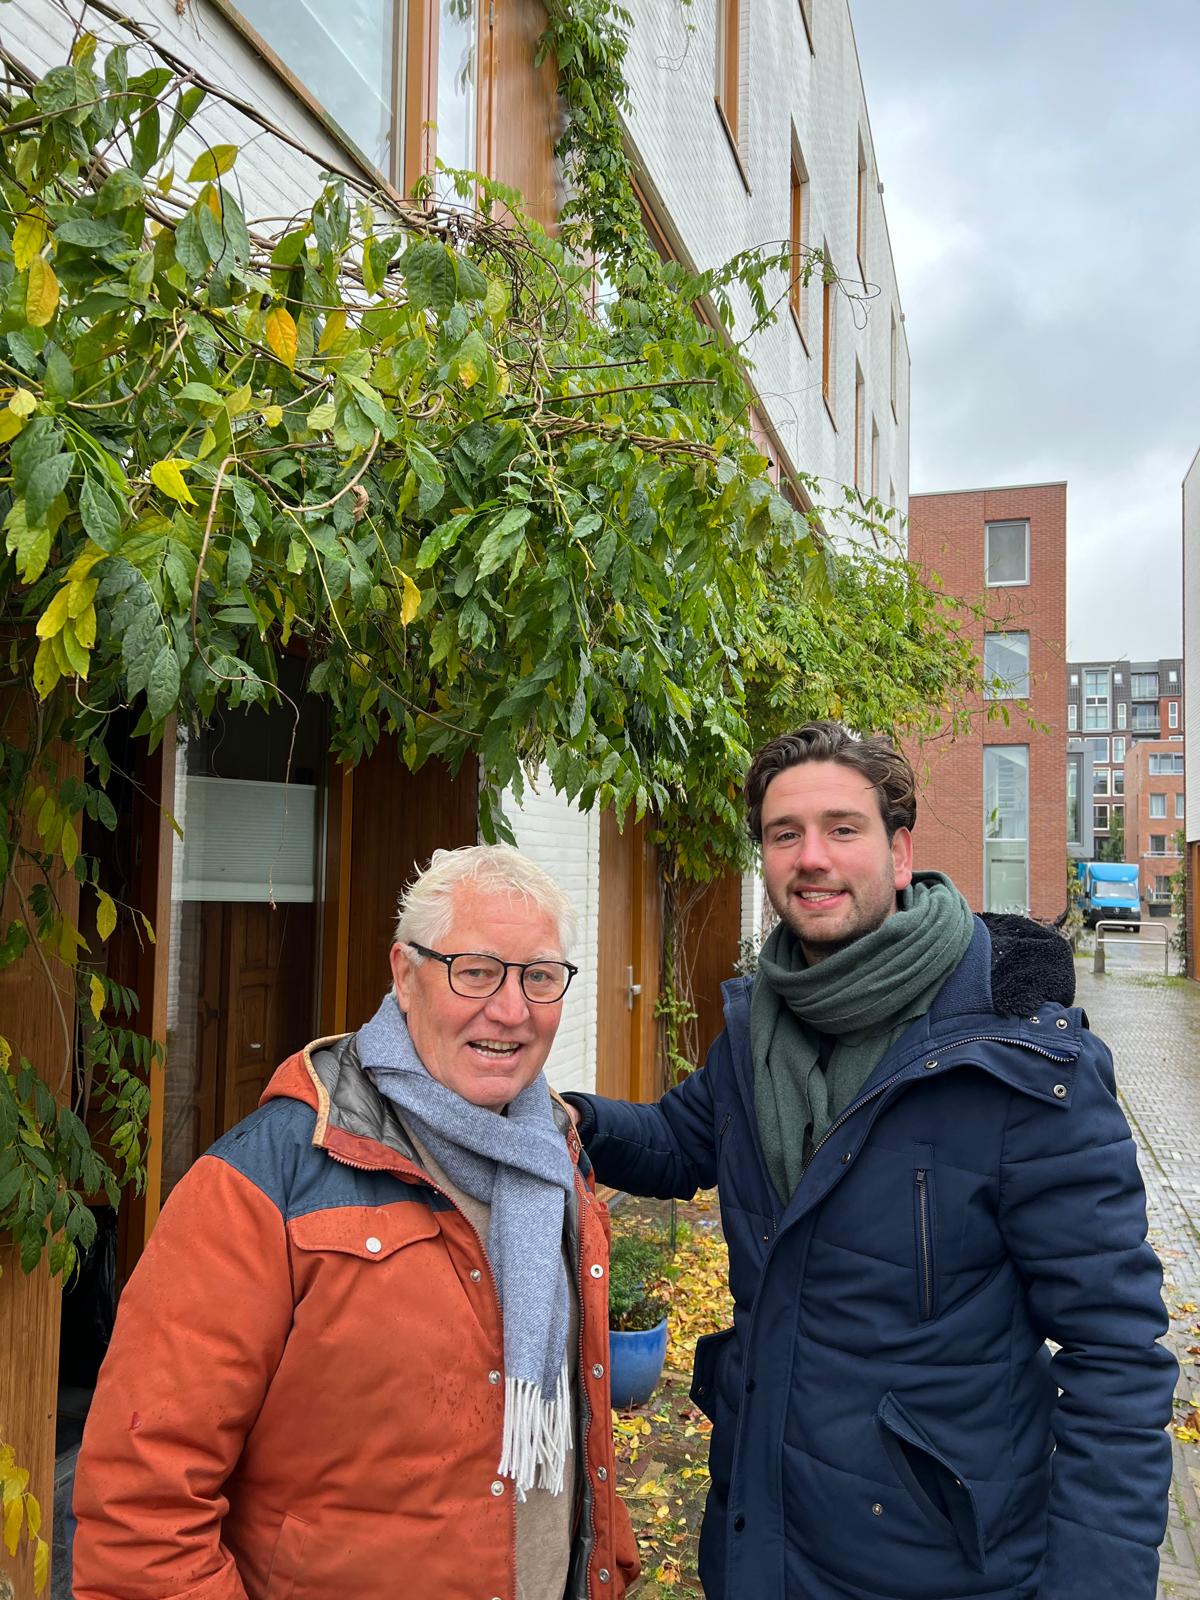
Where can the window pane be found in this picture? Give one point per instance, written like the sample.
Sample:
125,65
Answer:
1007,556
1178,807
1118,748
1006,666
1097,749
1144,686
1122,713
457,55
341,50
1100,780
1158,805
1072,717
1006,827
1073,831
1158,844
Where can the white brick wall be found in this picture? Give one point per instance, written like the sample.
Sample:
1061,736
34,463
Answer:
566,842
1191,646
693,182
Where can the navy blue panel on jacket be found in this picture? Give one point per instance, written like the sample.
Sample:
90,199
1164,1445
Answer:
887,1422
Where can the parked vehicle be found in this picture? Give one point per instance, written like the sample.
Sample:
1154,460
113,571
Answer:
1109,892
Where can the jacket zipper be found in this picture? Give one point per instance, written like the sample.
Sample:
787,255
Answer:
581,1461
926,1261
954,1044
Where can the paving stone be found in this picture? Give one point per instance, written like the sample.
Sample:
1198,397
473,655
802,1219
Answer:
1152,1027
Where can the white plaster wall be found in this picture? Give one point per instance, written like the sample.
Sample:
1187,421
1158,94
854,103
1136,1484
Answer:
1191,647
692,179
566,842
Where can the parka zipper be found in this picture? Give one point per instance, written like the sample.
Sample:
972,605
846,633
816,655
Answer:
924,1252
954,1044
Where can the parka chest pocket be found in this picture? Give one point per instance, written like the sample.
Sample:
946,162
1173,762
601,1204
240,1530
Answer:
372,1234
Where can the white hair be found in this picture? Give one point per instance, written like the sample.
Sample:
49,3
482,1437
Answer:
426,907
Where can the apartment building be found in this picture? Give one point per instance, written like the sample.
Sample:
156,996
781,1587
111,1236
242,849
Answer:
1191,720
993,802
1154,817
1111,706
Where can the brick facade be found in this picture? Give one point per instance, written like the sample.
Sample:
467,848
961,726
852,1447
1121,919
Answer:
1148,836
947,537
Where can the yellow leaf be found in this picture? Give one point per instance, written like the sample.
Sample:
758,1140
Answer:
23,403
84,562
501,377
46,670
335,327
10,425
41,1565
55,615
272,416
215,160
411,603
41,293
13,1513
96,993
167,476
106,914
33,1515
468,373
281,334
212,200
238,401
29,237
70,844
80,593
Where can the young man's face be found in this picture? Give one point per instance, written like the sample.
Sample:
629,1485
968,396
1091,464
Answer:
829,869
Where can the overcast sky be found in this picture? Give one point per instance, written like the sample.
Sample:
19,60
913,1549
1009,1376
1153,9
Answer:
1041,163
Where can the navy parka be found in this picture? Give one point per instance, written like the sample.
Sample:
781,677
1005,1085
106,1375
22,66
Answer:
888,1421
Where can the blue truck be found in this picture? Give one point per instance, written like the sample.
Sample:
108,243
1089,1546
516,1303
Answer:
1108,891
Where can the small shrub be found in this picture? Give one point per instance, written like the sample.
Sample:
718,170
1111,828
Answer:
639,1282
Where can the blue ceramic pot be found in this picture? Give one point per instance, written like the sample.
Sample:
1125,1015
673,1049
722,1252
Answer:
635,1363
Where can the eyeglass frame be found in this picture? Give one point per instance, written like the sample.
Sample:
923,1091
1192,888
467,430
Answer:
522,967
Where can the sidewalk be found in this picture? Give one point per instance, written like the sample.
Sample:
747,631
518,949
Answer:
1152,1027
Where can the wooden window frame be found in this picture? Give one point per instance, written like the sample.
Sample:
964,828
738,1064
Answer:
829,342
728,88
806,18
860,417
893,366
860,213
798,219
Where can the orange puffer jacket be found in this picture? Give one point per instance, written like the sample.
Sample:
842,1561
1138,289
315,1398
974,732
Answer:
300,1398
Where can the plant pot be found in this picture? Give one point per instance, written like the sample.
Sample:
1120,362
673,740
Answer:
635,1363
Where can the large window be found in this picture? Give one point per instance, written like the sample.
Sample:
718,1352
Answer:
1100,819
1143,685
1172,713
1118,781
1162,886
1165,766
1158,845
1097,749
1074,810
1006,827
1145,719
1095,700
1158,805
457,76
1100,781
1006,553
1006,666
1118,748
349,54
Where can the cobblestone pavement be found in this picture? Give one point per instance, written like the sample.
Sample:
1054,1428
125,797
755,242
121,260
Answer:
1152,1026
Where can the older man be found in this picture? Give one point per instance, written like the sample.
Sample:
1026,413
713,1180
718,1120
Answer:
365,1353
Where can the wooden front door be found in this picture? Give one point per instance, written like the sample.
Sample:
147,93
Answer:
628,976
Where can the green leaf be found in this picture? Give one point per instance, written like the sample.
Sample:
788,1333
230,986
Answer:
472,285
46,483
237,564
191,252
429,276
99,514
59,382
145,141
200,391
162,686
89,232
31,546
429,475
502,540
121,190
186,107
443,538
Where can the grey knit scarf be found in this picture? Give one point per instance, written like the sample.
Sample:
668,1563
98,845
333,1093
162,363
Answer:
518,1164
864,995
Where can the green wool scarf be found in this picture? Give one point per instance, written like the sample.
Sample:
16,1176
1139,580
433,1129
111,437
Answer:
864,996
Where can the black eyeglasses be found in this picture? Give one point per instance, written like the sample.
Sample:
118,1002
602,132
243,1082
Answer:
477,977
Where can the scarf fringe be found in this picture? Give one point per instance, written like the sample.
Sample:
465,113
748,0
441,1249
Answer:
537,1435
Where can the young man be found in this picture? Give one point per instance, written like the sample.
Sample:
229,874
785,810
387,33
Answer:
924,1176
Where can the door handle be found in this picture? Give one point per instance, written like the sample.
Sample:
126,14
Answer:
632,990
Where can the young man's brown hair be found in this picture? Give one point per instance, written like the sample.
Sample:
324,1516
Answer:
875,757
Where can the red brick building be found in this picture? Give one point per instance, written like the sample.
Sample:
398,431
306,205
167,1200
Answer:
1154,817
992,805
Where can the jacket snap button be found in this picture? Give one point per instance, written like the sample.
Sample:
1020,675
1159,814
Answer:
373,1245
846,1157
738,1524
1035,1019
597,1270
1060,1091
929,1065
877,1509
597,1371
1061,1023
749,1385
602,1474
475,1274
493,1376
497,1487
604,1574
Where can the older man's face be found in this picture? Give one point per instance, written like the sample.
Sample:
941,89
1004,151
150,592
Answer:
487,1051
